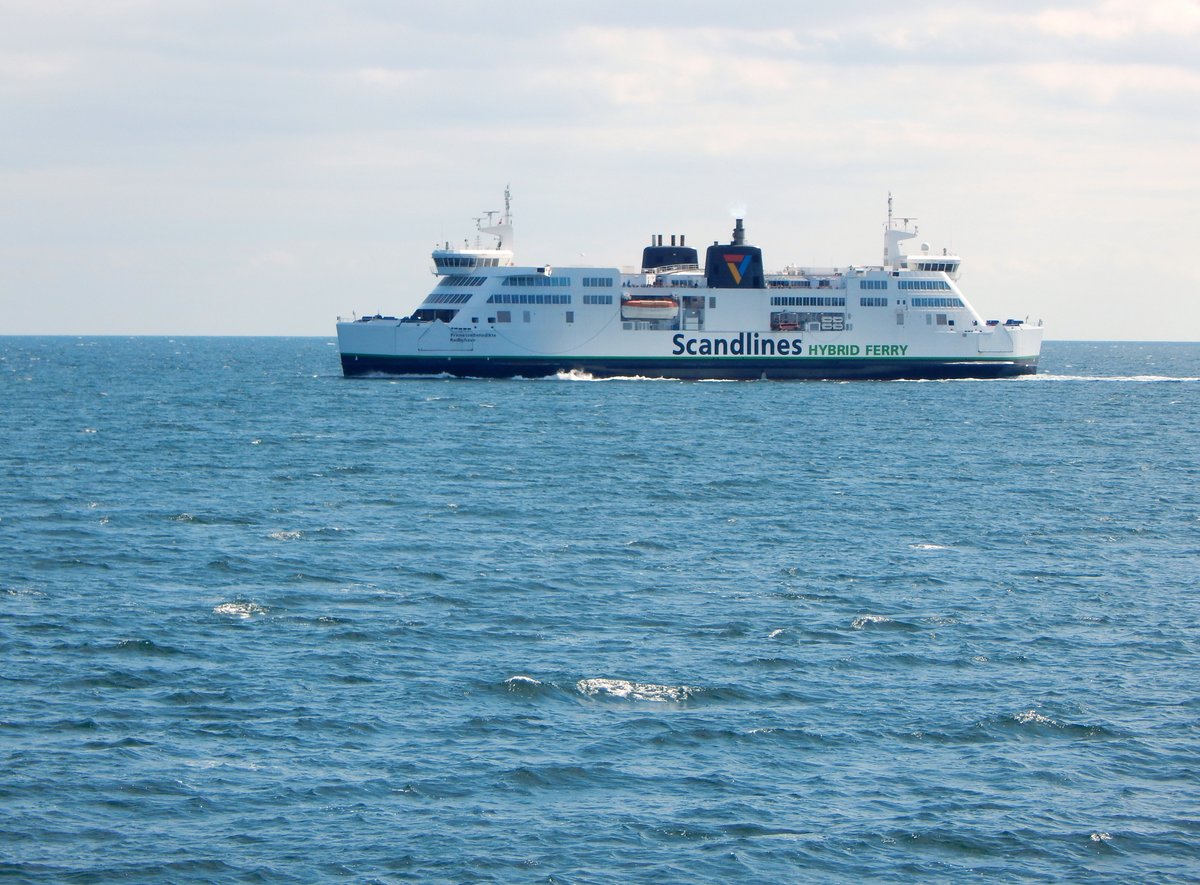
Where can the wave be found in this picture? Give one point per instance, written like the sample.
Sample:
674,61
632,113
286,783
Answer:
528,687
241,610
635,691
865,622
145,647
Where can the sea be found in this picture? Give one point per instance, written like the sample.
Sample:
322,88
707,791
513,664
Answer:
263,623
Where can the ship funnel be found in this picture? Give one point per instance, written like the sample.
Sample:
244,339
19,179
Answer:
736,266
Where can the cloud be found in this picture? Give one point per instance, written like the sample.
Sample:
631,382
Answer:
1117,20
387,78
26,67
1104,84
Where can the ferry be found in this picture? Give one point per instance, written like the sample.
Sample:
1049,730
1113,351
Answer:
672,317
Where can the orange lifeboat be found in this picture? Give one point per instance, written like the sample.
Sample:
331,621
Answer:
649,309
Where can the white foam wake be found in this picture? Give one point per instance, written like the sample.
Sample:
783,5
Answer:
1127,379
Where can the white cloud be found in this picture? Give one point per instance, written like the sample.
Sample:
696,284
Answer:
387,78
24,67
1115,20
1106,83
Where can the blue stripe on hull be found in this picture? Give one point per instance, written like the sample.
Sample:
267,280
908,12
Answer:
690,368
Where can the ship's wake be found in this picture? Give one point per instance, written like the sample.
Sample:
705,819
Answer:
1129,379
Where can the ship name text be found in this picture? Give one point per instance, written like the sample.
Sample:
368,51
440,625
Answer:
752,344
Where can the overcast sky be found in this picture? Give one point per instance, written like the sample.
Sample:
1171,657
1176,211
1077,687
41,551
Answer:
193,167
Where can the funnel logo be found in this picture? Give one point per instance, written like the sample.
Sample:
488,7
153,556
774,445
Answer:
737,266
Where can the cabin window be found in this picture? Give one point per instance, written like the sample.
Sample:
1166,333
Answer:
570,316
504,316
560,282
808,301
525,316
528,298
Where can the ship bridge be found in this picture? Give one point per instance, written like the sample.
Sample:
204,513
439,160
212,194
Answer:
449,259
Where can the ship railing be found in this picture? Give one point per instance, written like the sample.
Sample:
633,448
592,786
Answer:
355,318
671,268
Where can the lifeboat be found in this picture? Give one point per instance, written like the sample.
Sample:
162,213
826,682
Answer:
649,309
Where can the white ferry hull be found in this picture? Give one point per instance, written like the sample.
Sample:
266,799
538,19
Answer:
755,356
489,318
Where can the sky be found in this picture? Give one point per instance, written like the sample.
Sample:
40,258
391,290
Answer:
261,167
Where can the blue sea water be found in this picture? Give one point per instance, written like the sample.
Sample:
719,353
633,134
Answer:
262,623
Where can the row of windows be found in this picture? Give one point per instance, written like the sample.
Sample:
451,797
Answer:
447,298
801,284
598,281
461,280
945,266
537,280
873,301
505,316
807,301
924,284
597,299
506,298
872,284
465,261
937,302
